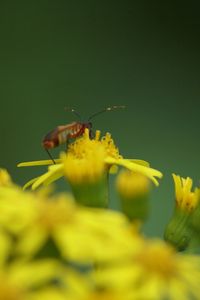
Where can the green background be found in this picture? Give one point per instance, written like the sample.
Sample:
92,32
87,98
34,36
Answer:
92,54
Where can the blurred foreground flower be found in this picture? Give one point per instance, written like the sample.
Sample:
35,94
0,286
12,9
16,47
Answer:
5,179
155,271
86,166
24,280
39,222
52,248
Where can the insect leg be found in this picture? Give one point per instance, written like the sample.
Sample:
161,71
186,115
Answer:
50,156
91,134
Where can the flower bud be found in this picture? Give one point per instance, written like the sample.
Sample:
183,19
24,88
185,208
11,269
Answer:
133,189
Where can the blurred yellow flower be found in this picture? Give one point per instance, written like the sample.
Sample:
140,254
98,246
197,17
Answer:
133,189
21,280
156,271
5,179
17,208
28,220
47,240
131,185
77,233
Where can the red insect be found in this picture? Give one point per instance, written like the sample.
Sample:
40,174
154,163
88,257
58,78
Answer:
62,134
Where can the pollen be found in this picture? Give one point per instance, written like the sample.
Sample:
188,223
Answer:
85,159
84,147
110,146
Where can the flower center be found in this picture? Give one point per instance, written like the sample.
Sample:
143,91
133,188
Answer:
159,259
85,147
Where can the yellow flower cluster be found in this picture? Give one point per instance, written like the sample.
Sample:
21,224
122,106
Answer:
52,248
73,247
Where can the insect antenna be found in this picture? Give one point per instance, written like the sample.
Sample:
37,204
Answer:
50,156
73,111
106,109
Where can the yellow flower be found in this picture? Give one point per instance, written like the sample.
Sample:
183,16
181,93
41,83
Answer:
44,279
20,280
179,231
87,167
80,235
133,189
5,179
156,271
185,198
87,174
86,159
17,208
40,221
131,185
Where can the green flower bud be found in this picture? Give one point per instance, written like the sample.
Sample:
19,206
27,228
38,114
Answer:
178,231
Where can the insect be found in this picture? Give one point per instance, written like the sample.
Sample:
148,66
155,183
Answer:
63,133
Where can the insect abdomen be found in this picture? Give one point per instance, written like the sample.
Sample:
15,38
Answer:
51,140
63,137
61,134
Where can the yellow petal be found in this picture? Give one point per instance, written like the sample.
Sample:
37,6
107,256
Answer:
34,273
38,163
55,172
140,162
32,241
30,182
149,172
